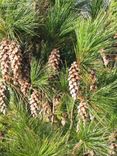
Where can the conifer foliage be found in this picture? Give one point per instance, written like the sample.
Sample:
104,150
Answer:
58,78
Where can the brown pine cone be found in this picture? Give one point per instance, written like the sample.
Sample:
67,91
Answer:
16,59
3,90
54,60
25,87
34,103
74,80
83,111
4,58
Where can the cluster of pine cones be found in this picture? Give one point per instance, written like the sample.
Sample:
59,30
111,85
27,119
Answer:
13,70
15,66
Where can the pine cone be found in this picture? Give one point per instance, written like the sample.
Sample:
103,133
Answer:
3,90
34,103
16,59
25,87
74,80
54,60
4,58
83,112
93,85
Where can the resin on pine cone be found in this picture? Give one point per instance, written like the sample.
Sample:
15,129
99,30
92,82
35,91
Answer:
34,102
74,80
54,60
3,97
16,59
4,58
